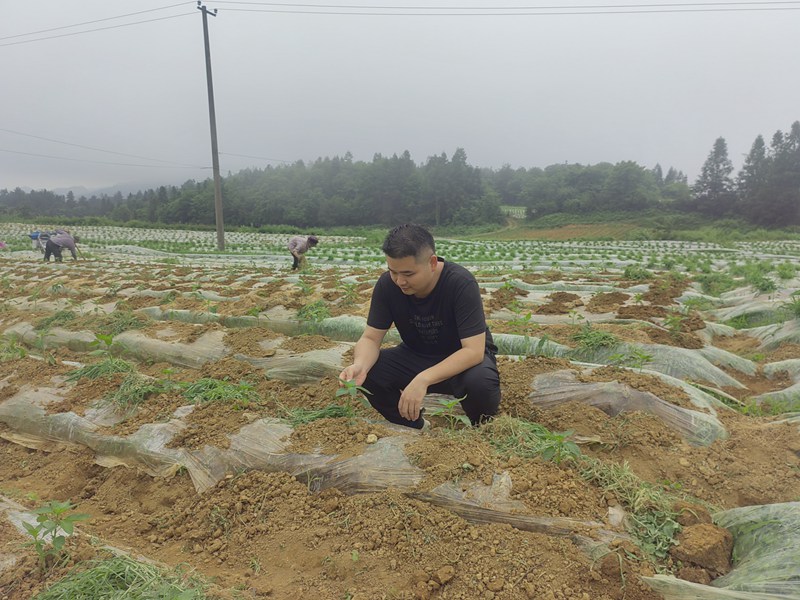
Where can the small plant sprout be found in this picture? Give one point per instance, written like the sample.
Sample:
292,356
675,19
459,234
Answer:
350,391
447,410
50,533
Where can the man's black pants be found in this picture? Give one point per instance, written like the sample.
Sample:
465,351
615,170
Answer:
396,367
52,248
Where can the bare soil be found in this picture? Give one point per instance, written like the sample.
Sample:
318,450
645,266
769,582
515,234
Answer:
260,534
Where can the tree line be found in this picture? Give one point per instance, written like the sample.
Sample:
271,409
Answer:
446,191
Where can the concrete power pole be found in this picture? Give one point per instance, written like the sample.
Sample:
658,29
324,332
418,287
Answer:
213,121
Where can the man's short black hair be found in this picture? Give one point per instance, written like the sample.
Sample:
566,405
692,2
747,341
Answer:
408,239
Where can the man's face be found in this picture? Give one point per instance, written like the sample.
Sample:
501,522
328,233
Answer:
412,277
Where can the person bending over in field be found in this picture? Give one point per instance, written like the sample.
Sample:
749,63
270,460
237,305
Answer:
59,240
298,246
446,346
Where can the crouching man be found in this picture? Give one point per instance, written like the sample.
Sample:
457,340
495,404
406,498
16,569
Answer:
446,346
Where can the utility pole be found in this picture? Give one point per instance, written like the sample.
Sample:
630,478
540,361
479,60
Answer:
213,121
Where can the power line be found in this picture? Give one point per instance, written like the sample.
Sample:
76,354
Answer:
133,14
558,7
52,37
280,160
552,12
98,162
38,137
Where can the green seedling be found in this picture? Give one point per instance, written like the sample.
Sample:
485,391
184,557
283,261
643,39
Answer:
557,447
351,392
50,533
447,410
314,311
635,358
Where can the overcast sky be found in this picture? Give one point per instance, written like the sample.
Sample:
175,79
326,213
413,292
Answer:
528,90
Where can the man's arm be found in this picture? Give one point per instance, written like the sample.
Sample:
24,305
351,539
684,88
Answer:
470,354
365,354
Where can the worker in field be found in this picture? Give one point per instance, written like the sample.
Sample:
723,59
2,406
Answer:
298,246
59,240
446,346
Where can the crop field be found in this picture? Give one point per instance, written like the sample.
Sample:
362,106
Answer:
172,425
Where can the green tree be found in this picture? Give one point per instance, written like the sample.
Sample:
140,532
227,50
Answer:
714,189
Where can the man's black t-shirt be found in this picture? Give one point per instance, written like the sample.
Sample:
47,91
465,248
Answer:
436,324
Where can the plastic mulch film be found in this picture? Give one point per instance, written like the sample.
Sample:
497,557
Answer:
766,551
766,548
521,345
302,368
344,328
712,330
772,336
207,348
680,363
791,366
673,588
789,396
723,358
701,399
480,503
557,387
77,341
32,427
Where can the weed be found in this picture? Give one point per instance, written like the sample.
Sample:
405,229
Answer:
590,339
510,435
123,577
349,293
11,349
215,390
792,306
674,322
313,311
107,367
134,390
50,533
636,273
716,283
59,318
301,416
635,358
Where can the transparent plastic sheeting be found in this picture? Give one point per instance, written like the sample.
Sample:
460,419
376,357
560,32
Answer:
772,336
681,363
766,552
263,445
557,387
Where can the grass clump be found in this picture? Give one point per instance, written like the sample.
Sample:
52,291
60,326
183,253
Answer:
716,283
590,339
240,395
134,390
509,435
121,578
636,273
104,368
119,321
62,317
301,416
11,349
652,519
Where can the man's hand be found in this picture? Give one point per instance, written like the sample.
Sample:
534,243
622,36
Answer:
411,399
353,372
